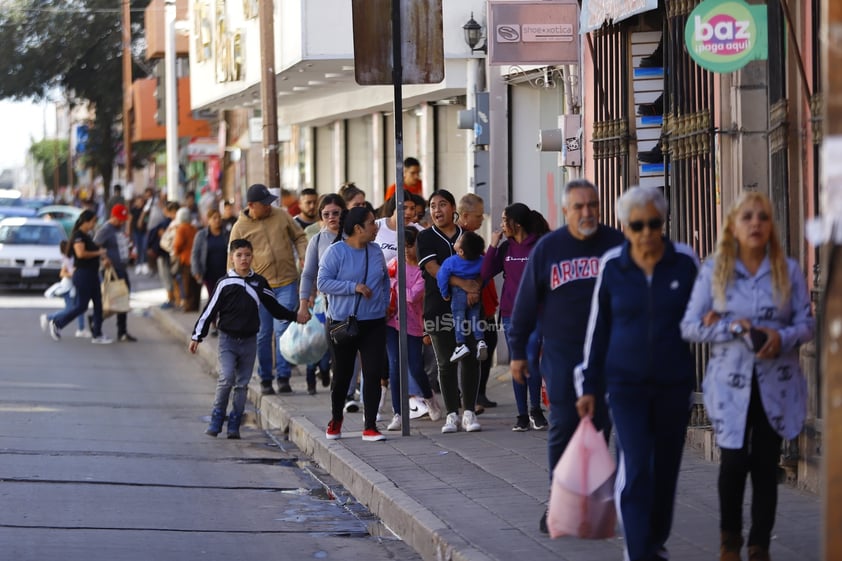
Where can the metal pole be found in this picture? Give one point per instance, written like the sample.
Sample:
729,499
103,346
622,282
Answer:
269,101
171,101
127,89
830,309
397,82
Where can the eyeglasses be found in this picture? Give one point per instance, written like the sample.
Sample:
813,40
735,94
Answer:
652,224
331,214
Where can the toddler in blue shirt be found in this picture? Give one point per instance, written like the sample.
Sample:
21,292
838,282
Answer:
466,264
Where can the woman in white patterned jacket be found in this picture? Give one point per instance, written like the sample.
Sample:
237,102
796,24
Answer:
750,301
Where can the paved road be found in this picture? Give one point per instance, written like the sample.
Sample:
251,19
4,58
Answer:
102,456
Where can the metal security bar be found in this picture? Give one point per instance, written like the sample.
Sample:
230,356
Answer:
609,50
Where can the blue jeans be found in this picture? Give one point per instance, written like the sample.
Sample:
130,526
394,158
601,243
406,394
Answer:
236,362
139,239
87,286
69,302
270,330
533,382
465,318
557,363
323,365
415,364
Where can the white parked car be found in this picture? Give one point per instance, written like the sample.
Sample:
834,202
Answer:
29,251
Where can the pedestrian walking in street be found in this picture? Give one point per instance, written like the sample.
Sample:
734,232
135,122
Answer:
433,246
66,291
465,264
160,242
112,237
471,209
635,355
330,210
414,333
209,255
352,273
751,303
235,307
86,254
522,228
276,239
556,290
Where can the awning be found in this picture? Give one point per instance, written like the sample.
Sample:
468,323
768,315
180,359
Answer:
596,12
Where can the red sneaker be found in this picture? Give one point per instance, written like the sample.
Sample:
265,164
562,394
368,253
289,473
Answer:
372,435
334,430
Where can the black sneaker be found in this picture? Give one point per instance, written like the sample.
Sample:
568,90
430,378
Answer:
126,338
324,375
485,402
311,388
542,525
283,386
351,405
536,416
266,387
522,423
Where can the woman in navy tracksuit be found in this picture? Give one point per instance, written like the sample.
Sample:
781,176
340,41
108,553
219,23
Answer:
634,347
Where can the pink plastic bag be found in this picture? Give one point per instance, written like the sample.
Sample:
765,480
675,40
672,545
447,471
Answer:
582,493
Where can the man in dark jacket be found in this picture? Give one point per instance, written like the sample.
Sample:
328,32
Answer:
557,286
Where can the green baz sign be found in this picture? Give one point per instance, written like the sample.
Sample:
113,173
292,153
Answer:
725,35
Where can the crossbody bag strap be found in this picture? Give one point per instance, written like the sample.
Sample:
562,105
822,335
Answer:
365,278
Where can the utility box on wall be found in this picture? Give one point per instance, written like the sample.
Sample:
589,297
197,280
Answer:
566,139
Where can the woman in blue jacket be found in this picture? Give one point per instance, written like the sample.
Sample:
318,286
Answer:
353,276
750,301
635,354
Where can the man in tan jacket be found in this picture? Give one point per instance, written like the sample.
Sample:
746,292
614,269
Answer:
277,241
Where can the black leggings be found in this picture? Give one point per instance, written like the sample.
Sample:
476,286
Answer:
371,344
758,457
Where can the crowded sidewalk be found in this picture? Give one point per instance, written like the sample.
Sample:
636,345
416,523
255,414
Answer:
479,496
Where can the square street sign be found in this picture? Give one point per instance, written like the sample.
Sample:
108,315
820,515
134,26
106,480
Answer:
422,44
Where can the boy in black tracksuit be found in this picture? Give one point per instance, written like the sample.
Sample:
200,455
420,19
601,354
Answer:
236,300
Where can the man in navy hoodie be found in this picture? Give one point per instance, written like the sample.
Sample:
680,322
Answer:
557,285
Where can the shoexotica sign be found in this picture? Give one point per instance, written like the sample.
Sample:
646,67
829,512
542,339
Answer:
725,35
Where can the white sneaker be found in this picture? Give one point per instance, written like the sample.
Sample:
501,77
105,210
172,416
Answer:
433,408
55,332
101,340
396,423
144,270
459,352
137,269
84,334
482,351
451,424
45,323
469,422
417,408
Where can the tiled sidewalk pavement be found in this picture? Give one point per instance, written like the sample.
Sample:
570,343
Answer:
478,496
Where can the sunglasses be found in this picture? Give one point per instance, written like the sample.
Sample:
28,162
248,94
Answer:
331,214
652,224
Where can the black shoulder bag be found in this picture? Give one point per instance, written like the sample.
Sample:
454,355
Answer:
344,331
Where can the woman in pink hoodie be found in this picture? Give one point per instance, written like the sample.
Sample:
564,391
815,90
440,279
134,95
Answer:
414,333
521,227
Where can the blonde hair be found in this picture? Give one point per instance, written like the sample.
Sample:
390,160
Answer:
725,256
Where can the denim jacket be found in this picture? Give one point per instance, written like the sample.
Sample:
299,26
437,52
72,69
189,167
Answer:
727,383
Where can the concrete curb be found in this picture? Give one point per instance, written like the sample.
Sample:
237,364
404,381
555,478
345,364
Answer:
419,527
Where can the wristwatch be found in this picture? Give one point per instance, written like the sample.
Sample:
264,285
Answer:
737,329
